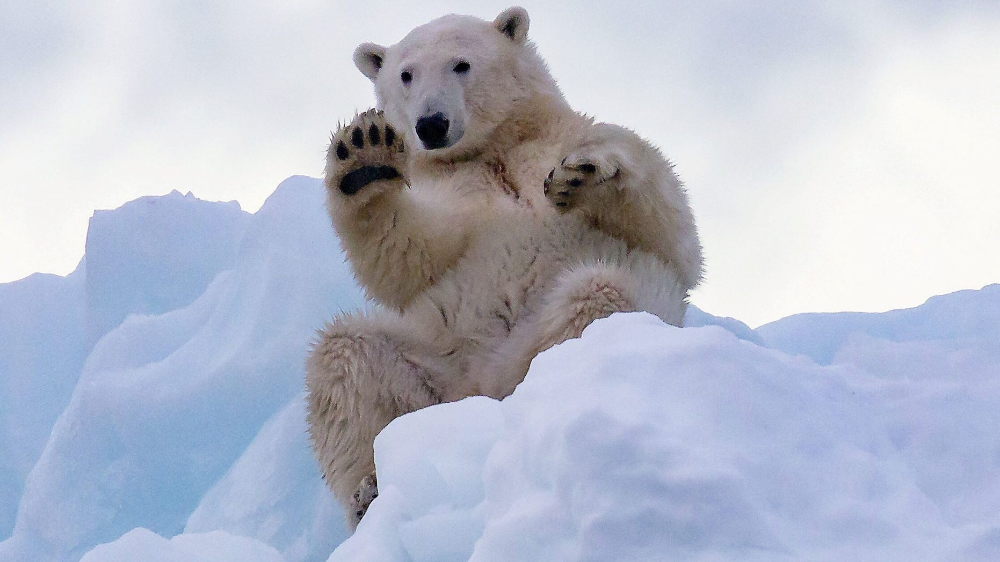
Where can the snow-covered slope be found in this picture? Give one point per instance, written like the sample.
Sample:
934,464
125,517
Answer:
645,442
166,404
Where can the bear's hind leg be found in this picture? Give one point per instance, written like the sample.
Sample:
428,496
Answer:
579,296
363,372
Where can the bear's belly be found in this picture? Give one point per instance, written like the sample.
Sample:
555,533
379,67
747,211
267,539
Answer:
506,274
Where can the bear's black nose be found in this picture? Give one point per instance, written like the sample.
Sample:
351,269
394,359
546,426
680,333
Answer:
433,131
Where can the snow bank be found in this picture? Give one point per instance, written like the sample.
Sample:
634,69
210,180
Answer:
860,436
645,442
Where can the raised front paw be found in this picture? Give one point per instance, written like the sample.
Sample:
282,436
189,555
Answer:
367,491
575,178
365,151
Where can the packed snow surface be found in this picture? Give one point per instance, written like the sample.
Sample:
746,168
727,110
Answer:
177,382
217,546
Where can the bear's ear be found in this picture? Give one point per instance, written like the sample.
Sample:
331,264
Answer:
513,22
368,58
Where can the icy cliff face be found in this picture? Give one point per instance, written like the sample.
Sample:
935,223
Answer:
149,256
42,347
274,493
167,403
156,254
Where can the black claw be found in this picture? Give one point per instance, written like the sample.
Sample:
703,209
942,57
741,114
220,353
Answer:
360,514
375,495
374,135
551,173
357,137
588,168
342,152
390,135
575,182
563,163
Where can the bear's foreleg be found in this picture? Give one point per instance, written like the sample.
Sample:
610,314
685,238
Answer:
628,190
397,244
363,372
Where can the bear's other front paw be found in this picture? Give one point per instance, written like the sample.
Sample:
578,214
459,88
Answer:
365,151
569,182
367,491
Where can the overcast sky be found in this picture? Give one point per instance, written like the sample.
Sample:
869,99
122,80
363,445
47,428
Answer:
839,155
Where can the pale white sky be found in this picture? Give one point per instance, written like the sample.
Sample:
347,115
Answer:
839,156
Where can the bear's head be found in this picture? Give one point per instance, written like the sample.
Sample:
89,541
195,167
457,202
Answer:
450,83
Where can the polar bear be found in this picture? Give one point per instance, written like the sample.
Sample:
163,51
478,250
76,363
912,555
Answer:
489,221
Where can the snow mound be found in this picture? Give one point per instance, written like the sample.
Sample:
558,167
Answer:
696,318
641,441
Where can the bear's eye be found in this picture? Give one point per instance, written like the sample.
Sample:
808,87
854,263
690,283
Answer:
406,77
462,67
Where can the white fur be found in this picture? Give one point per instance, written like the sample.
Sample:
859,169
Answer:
477,270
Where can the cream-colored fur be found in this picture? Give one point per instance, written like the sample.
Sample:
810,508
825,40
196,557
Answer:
529,223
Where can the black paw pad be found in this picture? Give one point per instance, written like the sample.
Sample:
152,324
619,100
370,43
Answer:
342,152
357,137
374,135
587,168
390,135
575,182
357,179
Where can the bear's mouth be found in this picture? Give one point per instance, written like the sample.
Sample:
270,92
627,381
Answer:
436,144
